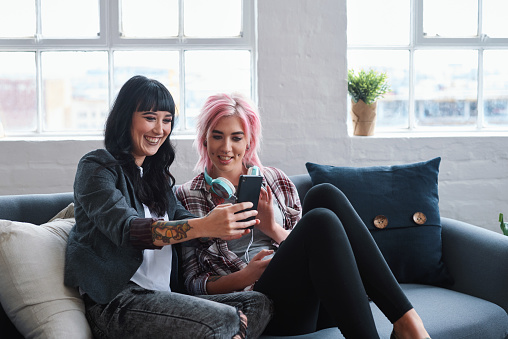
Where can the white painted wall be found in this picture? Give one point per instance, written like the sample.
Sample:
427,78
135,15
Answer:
302,72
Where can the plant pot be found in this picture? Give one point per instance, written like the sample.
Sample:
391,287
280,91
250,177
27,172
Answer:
364,117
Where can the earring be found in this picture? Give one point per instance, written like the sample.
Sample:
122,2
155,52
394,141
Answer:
204,143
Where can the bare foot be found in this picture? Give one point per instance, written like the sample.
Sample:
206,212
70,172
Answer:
410,326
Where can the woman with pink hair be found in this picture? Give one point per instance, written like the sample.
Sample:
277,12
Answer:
317,268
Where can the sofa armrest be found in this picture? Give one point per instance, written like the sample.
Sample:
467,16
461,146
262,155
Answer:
477,259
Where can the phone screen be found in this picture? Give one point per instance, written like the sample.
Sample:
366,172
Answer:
249,188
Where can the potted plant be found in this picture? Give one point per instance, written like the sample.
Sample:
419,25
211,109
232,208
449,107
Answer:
504,225
365,88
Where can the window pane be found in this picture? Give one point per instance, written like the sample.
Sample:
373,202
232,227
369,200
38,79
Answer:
445,87
17,19
450,18
149,18
210,72
494,18
495,86
75,90
162,66
18,104
378,22
392,110
218,18
70,19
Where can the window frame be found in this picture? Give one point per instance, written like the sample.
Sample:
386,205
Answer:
418,41
109,40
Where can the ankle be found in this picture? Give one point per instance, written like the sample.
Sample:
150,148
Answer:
409,326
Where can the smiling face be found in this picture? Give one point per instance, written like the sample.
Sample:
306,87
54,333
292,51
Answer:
149,130
226,145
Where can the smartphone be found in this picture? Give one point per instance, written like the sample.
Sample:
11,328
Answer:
249,188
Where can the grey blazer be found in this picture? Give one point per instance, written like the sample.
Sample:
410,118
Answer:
105,247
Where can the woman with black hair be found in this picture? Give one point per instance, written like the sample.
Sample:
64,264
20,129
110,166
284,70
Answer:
123,251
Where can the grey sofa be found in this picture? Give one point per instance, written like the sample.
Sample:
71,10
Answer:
475,307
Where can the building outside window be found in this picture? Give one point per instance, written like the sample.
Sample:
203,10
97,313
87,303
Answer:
445,60
62,62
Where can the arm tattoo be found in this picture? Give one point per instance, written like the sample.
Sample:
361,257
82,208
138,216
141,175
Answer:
168,230
214,278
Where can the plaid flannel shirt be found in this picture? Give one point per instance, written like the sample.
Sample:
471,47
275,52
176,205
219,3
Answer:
207,257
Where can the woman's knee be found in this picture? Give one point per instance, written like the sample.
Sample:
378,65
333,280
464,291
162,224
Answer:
321,194
328,196
326,189
321,219
256,306
321,213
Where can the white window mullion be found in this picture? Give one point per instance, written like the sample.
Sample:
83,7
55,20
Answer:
412,103
38,27
106,14
183,119
181,23
416,30
417,21
114,25
110,13
111,76
181,54
479,89
38,86
480,18
250,18
481,111
38,69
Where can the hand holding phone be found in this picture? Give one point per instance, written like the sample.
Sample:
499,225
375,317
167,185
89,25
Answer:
249,188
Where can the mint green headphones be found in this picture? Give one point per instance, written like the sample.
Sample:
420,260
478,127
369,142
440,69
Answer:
223,187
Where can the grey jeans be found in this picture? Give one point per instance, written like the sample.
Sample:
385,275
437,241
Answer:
140,313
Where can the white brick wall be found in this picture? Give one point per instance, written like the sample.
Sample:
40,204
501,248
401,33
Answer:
302,96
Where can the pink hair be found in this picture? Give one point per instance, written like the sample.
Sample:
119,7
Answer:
223,105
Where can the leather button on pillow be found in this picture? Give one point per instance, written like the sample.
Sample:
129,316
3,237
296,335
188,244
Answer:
380,221
419,218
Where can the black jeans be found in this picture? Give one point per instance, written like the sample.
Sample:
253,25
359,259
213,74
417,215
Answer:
322,273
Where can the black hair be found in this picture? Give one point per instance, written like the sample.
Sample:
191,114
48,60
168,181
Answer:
141,94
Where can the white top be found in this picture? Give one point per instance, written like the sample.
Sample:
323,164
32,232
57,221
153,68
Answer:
155,270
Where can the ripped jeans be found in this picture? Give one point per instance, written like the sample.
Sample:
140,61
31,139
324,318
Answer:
140,313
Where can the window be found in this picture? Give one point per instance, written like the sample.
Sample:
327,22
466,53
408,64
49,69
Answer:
445,61
62,62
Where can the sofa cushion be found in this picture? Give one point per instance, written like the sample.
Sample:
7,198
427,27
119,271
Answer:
449,314
33,294
445,314
412,247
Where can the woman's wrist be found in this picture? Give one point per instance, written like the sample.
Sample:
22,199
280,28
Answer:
278,233
197,228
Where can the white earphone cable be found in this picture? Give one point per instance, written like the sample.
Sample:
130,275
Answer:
247,258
